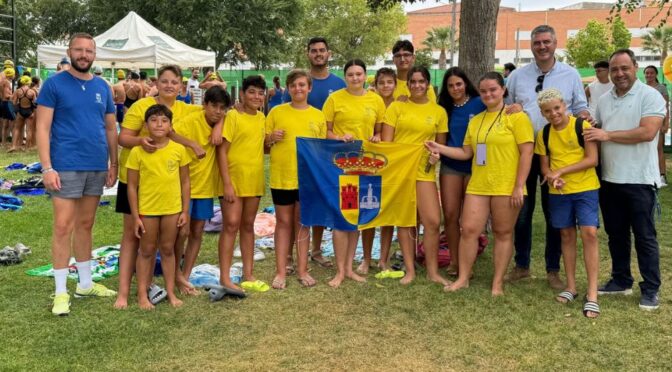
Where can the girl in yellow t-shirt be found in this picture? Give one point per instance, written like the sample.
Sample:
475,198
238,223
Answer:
284,124
352,113
134,133
569,169
241,165
159,194
501,146
413,122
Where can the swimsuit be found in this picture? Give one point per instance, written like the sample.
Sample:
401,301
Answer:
26,112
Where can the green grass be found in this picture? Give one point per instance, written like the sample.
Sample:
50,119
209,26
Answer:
372,326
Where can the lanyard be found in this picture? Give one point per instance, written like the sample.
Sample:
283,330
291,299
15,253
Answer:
478,134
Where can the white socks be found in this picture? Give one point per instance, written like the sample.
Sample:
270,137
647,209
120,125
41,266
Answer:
61,277
84,271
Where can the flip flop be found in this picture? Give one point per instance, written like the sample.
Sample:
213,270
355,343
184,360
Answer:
591,306
279,283
307,282
255,286
156,294
390,274
321,261
567,296
218,292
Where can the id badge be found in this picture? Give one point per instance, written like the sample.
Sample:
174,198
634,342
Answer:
480,154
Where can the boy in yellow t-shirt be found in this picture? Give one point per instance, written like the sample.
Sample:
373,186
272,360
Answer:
158,193
241,165
569,168
284,124
204,176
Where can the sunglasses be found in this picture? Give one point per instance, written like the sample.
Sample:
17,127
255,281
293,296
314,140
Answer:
540,83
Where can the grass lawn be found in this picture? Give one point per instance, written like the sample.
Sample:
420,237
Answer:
379,325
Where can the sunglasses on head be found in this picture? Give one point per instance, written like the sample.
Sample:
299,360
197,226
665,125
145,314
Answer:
540,83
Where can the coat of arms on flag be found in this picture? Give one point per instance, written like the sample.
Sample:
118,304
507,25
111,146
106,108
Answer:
357,185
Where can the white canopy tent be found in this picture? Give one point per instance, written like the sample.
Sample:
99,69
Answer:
134,43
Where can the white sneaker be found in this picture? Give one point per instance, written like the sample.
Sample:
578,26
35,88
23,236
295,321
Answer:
258,254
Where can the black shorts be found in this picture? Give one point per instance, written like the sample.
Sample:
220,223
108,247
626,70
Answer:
7,110
122,205
284,197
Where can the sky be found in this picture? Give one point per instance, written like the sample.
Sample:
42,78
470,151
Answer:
523,4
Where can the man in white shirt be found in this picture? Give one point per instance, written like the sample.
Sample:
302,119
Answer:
631,115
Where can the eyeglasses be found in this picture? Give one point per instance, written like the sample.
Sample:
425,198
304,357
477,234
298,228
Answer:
402,55
540,83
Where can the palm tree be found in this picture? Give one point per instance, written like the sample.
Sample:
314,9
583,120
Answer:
659,40
440,38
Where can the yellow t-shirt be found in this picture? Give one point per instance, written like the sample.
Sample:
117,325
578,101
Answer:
414,124
355,115
401,89
308,123
566,150
135,120
245,132
159,188
498,176
203,173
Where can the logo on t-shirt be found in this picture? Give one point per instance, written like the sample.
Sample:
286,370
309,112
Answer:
99,98
171,165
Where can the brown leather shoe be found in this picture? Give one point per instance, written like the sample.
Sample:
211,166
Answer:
554,281
516,274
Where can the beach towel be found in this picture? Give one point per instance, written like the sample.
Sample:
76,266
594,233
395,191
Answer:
104,264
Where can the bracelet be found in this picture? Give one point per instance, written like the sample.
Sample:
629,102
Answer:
47,170
113,164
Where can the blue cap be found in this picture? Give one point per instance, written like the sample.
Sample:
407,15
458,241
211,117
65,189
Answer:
64,61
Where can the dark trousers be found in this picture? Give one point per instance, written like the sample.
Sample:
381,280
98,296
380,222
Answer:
625,208
523,229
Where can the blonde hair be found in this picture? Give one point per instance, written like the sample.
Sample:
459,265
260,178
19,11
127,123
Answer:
548,95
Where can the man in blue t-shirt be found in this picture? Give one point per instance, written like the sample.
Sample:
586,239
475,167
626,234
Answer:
76,135
324,82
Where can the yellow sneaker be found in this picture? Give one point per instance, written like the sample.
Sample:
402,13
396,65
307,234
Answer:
61,304
96,290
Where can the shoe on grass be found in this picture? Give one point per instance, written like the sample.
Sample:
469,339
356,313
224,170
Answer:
96,290
649,302
554,280
61,304
517,273
611,287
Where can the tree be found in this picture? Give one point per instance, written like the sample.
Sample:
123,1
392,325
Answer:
423,57
440,38
630,6
478,29
589,45
352,29
251,30
596,42
620,35
659,41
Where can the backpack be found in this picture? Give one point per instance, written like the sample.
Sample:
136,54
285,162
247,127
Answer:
578,128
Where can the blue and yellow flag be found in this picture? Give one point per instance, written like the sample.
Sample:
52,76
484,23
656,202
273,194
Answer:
357,185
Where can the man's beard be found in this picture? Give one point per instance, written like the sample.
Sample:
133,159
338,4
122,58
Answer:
82,70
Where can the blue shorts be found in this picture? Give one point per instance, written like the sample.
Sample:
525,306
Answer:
201,209
571,210
120,112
